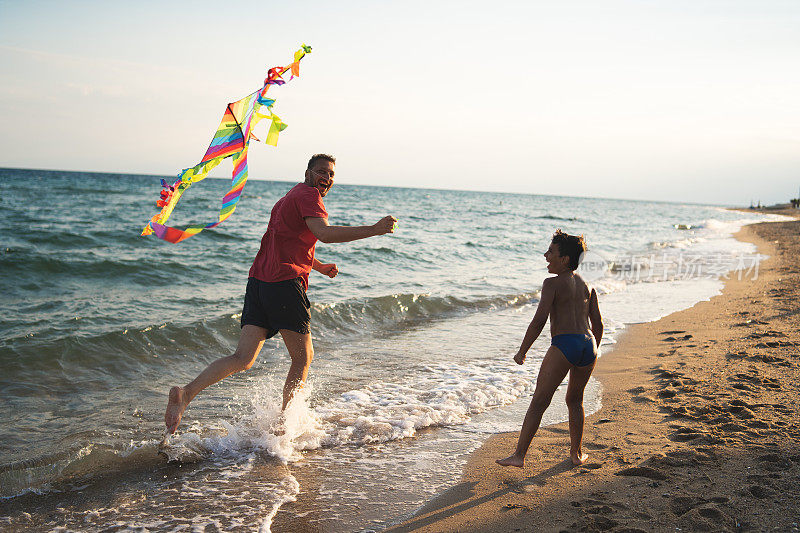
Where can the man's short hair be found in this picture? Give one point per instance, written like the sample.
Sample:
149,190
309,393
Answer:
318,157
572,246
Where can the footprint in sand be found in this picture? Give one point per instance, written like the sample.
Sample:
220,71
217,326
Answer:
642,471
678,412
681,505
760,491
685,434
643,399
707,518
737,355
557,430
732,427
681,338
777,361
776,463
665,373
600,509
602,523
677,458
743,412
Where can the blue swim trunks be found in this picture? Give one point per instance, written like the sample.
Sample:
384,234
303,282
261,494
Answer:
579,349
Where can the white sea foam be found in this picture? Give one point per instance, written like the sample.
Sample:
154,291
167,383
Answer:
433,395
285,492
714,235
430,396
282,435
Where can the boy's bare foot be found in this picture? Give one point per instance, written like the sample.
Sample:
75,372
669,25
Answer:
579,458
175,408
513,460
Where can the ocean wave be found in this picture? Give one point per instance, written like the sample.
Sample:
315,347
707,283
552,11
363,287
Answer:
83,265
434,396
67,468
391,310
555,217
136,348
679,243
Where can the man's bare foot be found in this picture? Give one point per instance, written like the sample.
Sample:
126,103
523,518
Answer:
278,427
175,408
578,458
513,460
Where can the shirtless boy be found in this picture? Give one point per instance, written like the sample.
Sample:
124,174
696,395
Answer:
571,305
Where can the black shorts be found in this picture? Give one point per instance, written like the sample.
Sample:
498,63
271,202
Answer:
277,305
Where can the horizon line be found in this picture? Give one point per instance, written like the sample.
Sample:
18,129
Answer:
397,187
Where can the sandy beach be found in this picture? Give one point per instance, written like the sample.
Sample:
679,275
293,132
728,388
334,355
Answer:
698,431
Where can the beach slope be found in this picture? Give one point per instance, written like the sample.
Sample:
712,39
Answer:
699,428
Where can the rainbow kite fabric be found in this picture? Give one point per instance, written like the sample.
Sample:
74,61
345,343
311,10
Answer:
232,139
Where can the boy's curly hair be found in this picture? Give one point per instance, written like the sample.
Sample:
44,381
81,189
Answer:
572,246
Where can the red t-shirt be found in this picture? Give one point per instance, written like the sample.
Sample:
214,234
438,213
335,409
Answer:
287,248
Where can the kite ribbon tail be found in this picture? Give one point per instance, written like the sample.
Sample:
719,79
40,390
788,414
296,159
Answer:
166,211
275,128
238,182
188,177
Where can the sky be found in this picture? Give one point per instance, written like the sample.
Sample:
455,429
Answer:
679,100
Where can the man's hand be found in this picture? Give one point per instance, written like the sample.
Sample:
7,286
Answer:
329,269
385,225
519,358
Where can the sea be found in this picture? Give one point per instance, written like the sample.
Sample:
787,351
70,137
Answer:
413,346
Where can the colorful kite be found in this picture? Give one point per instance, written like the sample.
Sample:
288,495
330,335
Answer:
232,139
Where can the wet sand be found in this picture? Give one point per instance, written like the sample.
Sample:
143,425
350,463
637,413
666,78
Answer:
699,430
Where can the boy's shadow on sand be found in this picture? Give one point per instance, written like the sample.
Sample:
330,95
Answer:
459,498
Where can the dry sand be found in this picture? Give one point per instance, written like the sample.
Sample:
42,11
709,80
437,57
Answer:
699,429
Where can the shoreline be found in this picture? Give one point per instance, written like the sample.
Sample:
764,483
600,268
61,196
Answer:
698,428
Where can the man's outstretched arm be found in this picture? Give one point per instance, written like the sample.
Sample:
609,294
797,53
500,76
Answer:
327,233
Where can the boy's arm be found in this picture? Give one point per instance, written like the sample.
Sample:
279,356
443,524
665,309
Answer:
539,320
595,318
326,233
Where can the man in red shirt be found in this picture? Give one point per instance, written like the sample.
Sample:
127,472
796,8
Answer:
275,300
